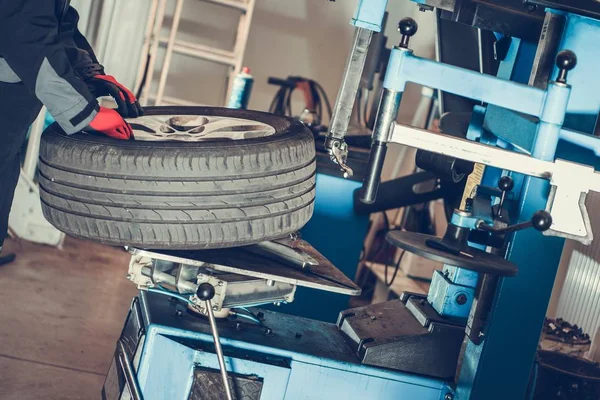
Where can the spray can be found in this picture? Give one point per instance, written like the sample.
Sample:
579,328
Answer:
241,90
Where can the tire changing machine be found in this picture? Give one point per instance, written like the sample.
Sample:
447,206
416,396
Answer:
500,256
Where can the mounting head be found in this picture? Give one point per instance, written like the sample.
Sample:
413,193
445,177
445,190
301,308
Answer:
205,291
541,220
407,28
566,60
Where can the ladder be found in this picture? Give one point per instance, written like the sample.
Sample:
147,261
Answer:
152,40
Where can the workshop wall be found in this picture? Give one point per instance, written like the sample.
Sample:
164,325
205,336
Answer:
309,38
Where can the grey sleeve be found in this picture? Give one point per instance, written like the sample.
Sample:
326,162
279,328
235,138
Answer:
30,46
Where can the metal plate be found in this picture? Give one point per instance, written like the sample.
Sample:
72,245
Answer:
472,259
208,385
324,276
587,8
196,128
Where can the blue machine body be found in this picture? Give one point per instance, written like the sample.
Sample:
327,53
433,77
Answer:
517,303
337,232
309,359
299,359
369,14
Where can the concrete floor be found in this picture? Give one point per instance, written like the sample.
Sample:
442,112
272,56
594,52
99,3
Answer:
61,312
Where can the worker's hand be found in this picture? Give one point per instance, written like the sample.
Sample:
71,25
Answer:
108,122
107,85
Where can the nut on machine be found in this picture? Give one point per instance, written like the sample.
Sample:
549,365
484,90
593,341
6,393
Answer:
500,252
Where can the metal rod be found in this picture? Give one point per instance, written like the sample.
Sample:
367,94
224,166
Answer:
219,350
386,115
130,377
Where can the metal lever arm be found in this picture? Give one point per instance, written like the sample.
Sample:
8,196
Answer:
206,292
567,195
541,221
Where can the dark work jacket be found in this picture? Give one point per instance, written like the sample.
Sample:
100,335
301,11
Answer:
41,47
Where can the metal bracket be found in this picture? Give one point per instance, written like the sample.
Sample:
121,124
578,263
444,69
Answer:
570,182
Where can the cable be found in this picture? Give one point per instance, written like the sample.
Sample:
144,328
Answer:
396,268
165,292
324,95
366,108
282,102
357,107
250,315
144,78
383,243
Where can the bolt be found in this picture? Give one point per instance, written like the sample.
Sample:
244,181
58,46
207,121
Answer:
449,396
461,299
373,318
298,335
220,283
179,314
531,7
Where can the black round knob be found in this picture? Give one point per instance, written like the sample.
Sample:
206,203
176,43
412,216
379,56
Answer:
506,184
407,28
566,59
541,220
205,291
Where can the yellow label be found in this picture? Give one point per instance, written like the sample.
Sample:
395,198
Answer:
472,182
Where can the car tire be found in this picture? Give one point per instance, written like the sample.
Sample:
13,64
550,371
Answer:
180,195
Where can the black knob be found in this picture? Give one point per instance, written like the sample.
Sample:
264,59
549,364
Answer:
506,184
566,60
205,291
407,28
541,220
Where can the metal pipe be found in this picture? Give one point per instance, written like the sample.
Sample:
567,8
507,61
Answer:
386,116
405,67
219,350
130,377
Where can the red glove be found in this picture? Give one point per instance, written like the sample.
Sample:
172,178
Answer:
108,122
107,85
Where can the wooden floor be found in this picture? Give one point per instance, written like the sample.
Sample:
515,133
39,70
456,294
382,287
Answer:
61,312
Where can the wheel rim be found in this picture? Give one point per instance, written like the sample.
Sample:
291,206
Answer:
196,128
